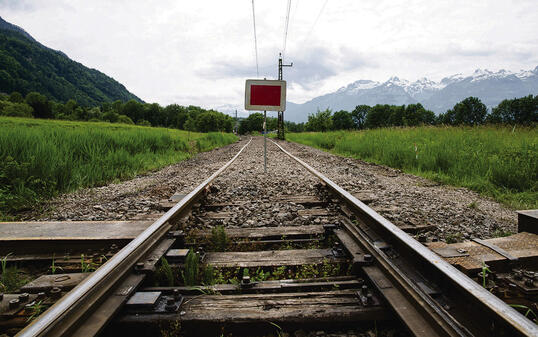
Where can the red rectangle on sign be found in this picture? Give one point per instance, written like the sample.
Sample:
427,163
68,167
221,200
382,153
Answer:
265,95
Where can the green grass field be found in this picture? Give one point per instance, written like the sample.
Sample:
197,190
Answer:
41,158
500,162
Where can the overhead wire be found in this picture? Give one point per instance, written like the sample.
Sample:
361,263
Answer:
255,40
315,22
286,27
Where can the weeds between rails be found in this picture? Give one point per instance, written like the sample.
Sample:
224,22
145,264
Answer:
500,162
194,272
218,241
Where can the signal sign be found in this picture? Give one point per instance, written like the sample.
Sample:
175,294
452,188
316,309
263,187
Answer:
265,95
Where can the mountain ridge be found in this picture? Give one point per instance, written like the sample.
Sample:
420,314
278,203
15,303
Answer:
27,65
491,87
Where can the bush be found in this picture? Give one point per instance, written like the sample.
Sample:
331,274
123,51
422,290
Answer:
143,122
125,120
16,110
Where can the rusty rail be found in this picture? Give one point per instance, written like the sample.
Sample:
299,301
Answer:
63,318
480,303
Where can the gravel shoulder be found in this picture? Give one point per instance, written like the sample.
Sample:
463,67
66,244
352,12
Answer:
141,195
404,199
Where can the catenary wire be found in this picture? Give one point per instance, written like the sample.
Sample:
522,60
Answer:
255,39
315,22
286,25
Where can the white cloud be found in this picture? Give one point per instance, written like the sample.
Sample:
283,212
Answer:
200,52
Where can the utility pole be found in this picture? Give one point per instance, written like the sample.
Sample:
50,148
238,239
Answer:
236,125
281,113
265,141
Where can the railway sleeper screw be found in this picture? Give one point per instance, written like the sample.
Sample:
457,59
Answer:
365,296
368,258
483,276
512,289
29,306
177,295
176,234
139,267
14,303
41,295
329,228
171,307
529,282
337,250
518,275
245,282
24,297
56,292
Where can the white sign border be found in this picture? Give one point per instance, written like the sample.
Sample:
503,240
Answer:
281,107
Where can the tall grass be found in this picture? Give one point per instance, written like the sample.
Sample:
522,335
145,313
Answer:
501,162
41,158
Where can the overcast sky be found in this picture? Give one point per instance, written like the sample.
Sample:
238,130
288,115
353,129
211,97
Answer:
200,52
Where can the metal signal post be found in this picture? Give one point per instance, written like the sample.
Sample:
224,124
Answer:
281,113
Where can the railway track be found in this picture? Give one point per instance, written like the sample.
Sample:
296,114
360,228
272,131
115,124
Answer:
342,270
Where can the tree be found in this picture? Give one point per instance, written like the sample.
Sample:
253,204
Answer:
40,104
359,115
397,115
254,122
154,114
342,120
320,121
415,114
190,124
16,110
294,127
111,116
447,118
209,121
378,116
522,110
470,111
176,116
133,110
16,97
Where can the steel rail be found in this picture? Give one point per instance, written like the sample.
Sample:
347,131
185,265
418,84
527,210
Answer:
65,315
488,301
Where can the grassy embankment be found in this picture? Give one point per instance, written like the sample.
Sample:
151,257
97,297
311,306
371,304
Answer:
41,158
500,162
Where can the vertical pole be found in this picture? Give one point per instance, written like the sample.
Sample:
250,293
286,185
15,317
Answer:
265,141
280,120
281,113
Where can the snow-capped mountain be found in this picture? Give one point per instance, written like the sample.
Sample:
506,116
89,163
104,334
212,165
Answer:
491,87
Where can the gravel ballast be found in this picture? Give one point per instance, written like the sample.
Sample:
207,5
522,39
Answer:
404,199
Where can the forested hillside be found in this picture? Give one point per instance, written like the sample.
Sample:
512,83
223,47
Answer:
26,66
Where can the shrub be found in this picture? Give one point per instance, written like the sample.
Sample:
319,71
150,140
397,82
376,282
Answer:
125,120
16,110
